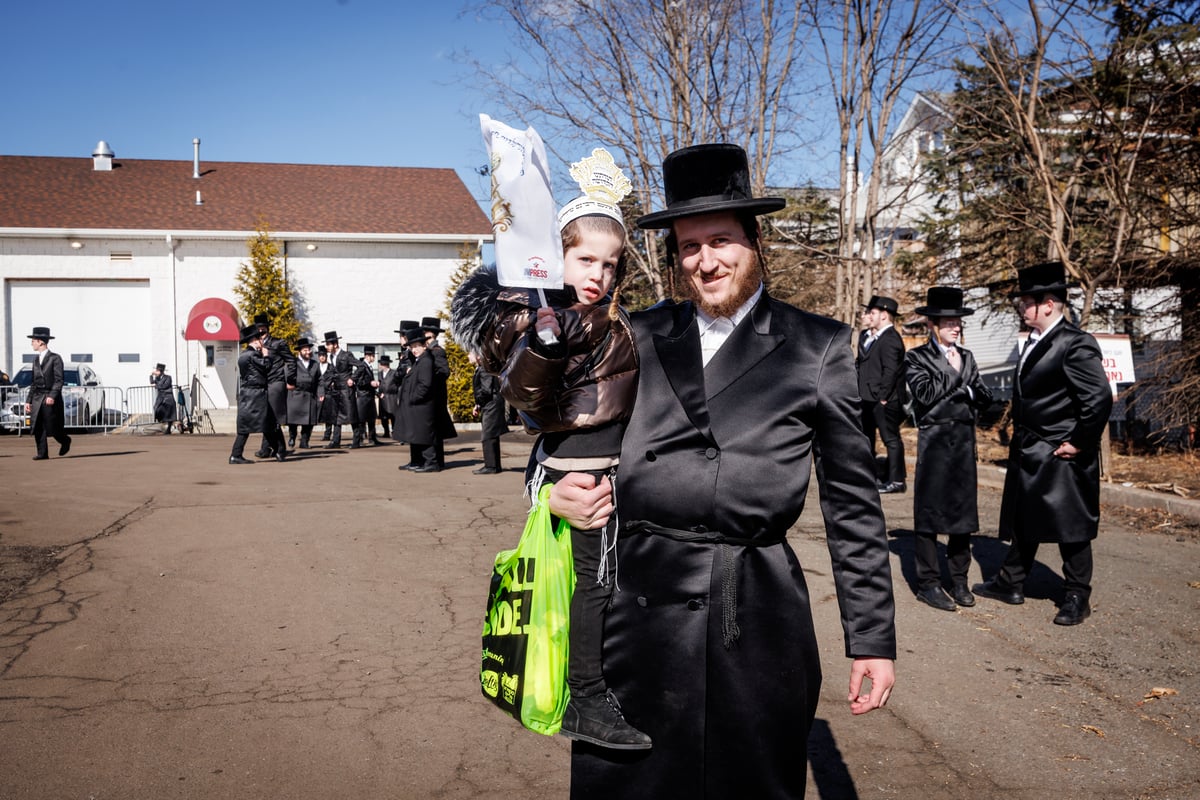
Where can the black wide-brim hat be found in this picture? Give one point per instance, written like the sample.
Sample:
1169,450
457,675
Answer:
331,336
433,324
414,335
406,324
704,179
368,350
249,333
262,319
303,342
944,301
385,359
161,367
886,303
40,333
1046,277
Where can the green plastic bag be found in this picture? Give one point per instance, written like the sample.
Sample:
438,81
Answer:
525,631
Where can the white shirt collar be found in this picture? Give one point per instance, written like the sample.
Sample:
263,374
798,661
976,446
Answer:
714,331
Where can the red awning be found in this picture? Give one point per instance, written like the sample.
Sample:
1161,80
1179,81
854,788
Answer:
213,320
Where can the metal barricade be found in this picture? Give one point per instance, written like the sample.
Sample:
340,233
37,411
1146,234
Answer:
13,418
93,408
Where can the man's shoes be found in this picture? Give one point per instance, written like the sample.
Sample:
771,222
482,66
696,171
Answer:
936,596
892,487
41,458
65,447
266,452
291,445
239,460
485,471
427,468
1073,611
994,590
281,456
334,446
962,595
598,720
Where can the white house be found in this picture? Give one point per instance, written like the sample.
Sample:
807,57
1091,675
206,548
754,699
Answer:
133,262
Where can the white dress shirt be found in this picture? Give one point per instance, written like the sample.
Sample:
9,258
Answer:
714,331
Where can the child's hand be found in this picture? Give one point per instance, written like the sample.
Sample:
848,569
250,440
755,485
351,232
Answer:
547,321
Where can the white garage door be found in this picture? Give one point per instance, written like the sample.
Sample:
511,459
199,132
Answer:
107,322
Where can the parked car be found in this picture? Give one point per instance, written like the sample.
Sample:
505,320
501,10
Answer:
83,398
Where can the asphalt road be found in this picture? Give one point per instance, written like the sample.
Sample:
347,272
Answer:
311,630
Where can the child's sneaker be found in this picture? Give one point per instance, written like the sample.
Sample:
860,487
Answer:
597,719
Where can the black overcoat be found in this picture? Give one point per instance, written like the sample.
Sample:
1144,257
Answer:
47,381
486,388
164,399
709,645
441,408
416,420
1061,395
281,360
302,400
341,369
945,491
389,392
252,392
364,393
881,368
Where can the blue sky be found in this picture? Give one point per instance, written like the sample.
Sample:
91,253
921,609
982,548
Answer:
366,82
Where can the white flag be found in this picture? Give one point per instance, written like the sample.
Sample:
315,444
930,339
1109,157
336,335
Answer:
524,216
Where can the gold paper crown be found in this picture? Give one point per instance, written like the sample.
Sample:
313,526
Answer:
604,185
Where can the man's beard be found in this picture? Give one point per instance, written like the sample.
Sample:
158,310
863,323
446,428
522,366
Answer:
747,284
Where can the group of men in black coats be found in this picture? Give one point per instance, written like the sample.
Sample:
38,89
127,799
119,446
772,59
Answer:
1060,405
279,385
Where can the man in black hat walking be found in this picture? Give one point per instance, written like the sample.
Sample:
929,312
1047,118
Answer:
709,643
880,365
366,386
44,403
947,397
304,378
164,398
254,413
1061,401
444,423
340,389
281,360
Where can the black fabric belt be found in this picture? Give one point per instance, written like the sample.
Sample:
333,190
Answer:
730,632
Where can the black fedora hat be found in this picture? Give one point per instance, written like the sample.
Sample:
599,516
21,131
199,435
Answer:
944,301
1048,277
704,179
368,349
886,303
250,332
406,324
303,342
331,336
161,367
262,319
385,359
432,324
40,333
414,335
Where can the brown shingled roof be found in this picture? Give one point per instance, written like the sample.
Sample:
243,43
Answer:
53,192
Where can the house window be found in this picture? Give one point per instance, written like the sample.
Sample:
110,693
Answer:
28,358
210,355
129,358
83,358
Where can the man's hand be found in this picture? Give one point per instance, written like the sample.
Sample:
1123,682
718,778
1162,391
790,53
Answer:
1066,450
49,401
581,501
882,674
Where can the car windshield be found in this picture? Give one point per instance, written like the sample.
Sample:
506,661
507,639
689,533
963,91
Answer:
24,377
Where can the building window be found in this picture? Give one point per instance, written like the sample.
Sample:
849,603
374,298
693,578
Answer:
28,358
210,355
129,358
81,358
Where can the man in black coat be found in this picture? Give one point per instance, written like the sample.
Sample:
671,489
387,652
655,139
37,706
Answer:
281,359
366,387
432,326
303,378
710,642
416,420
489,408
339,388
1061,402
389,394
254,412
880,365
947,396
44,403
164,397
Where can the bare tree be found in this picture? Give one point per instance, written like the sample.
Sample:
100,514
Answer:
646,78
875,51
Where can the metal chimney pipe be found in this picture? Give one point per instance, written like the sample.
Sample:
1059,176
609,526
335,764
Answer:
195,158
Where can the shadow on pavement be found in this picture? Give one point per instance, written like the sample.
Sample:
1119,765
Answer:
830,774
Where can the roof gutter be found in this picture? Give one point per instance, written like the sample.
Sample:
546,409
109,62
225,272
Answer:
115,233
